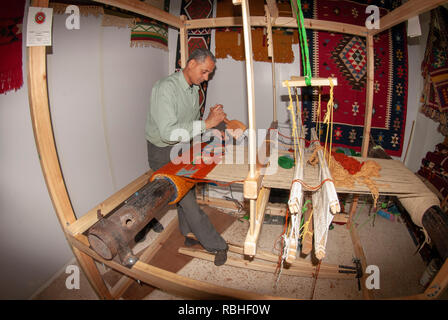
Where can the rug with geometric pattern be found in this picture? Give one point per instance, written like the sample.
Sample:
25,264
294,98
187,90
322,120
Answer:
344,57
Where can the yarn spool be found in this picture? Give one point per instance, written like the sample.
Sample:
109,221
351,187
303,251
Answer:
181,185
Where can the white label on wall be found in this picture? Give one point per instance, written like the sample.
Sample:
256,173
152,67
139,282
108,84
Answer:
39,26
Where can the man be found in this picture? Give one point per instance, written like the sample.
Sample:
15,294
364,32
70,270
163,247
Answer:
175,105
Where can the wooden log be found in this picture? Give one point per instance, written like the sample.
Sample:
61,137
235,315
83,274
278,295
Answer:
91,217
116,233
123,284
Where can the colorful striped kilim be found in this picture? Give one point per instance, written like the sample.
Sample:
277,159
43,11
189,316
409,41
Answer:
195,164
149,32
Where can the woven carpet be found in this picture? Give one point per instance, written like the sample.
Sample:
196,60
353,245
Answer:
150,32
344,57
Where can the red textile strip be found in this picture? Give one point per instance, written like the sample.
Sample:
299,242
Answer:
11,18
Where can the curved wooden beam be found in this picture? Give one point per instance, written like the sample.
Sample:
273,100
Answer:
46,148
280,22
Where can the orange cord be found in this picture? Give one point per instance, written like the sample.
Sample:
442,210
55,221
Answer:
310,188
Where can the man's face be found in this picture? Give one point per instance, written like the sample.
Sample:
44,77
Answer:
199,72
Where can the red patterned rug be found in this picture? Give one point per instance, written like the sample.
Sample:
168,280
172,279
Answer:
11,16
344,57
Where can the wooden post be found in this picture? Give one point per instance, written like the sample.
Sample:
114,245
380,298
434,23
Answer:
353,208
273,9
271,54
46,148
369,96
250,88
250,107
250,244
183,38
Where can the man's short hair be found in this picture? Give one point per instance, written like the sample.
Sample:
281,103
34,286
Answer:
200,55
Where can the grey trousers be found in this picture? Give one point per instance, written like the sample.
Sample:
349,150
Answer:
191,217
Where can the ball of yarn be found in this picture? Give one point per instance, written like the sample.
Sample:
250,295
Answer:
286,162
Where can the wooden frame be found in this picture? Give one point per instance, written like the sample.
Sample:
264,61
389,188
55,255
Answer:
171,282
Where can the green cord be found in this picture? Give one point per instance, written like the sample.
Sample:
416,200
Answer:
303,43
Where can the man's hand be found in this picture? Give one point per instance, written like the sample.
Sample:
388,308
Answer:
215,117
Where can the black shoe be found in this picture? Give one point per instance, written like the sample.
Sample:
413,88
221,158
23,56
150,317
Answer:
157,226
190,242
154,225
220,257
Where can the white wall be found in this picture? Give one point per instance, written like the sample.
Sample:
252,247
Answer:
99,92
425,135
32,244
99,89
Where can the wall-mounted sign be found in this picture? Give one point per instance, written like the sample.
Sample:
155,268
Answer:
39,26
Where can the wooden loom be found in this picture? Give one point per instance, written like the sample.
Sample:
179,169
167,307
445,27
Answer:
256,188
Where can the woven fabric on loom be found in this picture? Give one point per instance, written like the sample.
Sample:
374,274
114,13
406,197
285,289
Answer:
194,164
197,38
230,41
435,70
344,57
149,32
11,16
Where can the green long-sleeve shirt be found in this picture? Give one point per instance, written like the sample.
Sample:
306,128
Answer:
174,105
